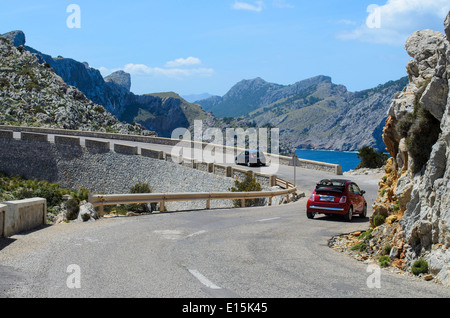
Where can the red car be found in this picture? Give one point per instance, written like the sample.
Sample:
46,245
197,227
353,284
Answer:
337,196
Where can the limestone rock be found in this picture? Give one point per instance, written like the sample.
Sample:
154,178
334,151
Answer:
32,94
447,26
120,78
17,38
423,197
87,212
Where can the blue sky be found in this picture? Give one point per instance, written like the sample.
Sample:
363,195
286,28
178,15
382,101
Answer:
198,46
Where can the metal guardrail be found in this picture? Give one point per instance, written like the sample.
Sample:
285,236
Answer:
284,184
101,201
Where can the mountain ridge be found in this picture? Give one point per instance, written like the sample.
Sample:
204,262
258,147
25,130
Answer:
113,92
313,113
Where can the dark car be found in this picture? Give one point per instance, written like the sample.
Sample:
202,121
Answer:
337,196
251,158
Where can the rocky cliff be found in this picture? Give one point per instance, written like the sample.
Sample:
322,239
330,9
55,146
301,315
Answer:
32,94
155,113
415,192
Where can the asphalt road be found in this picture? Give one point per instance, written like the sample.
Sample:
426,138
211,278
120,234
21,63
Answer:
264,252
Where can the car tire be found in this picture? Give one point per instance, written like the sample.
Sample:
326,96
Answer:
363,215
310,215
348,217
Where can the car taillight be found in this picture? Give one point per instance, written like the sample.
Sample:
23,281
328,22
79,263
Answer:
343,199
312,197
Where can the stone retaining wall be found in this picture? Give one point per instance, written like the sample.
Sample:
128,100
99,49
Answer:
283,160
2,219
102,170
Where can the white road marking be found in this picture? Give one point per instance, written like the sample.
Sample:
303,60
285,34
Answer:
196,233
272,219
205,281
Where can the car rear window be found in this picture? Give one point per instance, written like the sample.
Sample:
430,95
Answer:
331,185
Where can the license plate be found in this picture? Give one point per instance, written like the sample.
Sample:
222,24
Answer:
326,198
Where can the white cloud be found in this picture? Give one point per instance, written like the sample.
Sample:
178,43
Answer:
175,73
394,21
178,69
258,6
190,61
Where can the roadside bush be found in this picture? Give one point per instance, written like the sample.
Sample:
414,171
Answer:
51,194
387,249
248,185
361,247
419,267
366,235
142,207
378,219
73,208
370,158
384,261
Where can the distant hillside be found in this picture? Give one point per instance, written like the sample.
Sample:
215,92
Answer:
313,113
164,112
155,113
31,94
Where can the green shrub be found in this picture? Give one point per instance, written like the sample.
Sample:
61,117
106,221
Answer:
51,193
378,219
142,207
370,158
384,261
387,249
366,235
29,86
423,134
361,247
419,267
404,125
73,208
4,82
248,185
99,109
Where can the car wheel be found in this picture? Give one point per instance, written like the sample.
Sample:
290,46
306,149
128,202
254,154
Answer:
363,215
310,215
348,217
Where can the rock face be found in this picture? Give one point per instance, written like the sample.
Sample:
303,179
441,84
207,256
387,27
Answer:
120,78
416,186
32,94
161,115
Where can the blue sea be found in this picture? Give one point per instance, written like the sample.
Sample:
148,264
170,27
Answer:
347,159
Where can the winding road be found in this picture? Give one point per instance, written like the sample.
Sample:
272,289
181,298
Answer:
263,252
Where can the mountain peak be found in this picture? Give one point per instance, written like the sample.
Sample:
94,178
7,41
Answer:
17,38
120,78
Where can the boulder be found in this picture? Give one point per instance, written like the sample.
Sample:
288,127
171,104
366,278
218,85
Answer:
87,212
